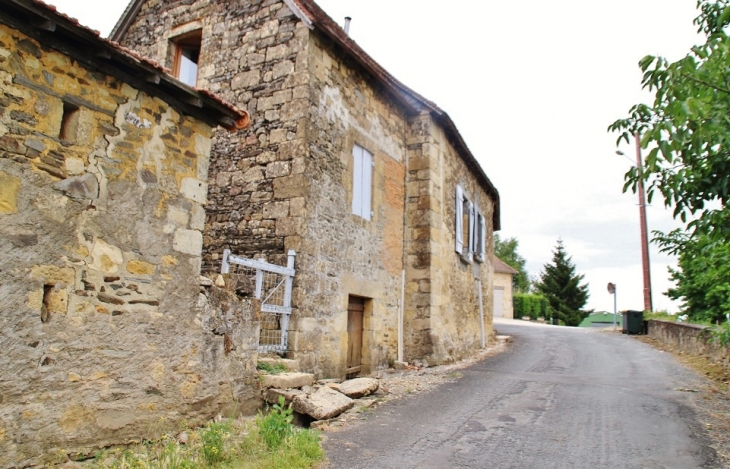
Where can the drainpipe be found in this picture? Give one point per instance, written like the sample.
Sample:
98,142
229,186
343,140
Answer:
401,313
481,313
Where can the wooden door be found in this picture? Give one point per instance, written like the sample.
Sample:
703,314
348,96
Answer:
355,310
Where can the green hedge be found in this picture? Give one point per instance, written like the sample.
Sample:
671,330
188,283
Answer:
534,306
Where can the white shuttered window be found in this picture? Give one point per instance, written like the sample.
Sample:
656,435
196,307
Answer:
362,182
471,228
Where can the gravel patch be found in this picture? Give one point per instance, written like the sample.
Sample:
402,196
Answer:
404,384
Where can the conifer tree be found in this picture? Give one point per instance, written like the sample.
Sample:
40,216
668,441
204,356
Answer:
560,284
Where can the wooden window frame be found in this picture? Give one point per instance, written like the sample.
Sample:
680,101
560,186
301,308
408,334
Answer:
180,43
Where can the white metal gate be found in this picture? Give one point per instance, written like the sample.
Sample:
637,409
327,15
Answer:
272,284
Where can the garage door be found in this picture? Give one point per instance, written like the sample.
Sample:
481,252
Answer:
498,309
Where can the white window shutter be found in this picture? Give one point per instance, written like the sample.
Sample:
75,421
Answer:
483,237
356,180
472,226
459,220
367,184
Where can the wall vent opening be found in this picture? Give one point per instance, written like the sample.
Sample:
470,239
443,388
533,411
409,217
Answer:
46,308
69,123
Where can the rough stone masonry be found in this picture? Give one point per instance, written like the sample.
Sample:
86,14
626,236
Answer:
106,335
287,182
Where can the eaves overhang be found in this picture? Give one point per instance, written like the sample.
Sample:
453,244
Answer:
57,31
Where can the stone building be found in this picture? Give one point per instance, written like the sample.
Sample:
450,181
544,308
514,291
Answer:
390,214
503,291
105,335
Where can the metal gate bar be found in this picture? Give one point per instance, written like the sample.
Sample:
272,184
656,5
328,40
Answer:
270,283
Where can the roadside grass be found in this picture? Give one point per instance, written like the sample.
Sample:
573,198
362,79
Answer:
713,400
269,441
665,316
718,374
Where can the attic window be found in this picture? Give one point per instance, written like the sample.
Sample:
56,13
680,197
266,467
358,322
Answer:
69,123
187,55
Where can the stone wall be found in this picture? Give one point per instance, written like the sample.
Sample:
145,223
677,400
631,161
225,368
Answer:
254,54
341,253
689,338
442,310
287,184
106,336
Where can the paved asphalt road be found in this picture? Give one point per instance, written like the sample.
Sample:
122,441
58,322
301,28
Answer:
558,398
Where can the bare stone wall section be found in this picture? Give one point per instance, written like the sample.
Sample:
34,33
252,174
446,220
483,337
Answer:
106,337
690,338
342,254
253,53
442,310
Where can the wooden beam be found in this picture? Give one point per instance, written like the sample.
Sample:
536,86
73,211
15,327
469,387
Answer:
153,78
46,25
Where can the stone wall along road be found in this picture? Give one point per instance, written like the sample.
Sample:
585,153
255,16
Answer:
557,398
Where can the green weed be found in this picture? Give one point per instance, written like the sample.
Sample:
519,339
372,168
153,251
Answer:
721,335
269,441
271,369
214,437
275,426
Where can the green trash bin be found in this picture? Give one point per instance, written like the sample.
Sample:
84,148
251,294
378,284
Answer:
633,322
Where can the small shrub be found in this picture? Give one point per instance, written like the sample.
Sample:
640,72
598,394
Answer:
213,437
534,306
721,335
275,426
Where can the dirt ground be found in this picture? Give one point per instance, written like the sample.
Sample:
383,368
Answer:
713,397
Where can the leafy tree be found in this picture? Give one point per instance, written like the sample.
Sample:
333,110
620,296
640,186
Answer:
688,130
507,251
702,279
562,287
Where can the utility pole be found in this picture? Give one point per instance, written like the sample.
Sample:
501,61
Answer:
644,232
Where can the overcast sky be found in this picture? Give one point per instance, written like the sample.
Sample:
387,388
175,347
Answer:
532,86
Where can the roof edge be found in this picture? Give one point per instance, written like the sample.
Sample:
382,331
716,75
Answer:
299,13
68,36
126,20
411,98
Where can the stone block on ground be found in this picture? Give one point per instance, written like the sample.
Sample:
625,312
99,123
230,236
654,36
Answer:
359,387
504,338
323,404
400,365
335,386
287,380
324,382
272,395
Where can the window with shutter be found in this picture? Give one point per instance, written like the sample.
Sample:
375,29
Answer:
471,228
362,182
